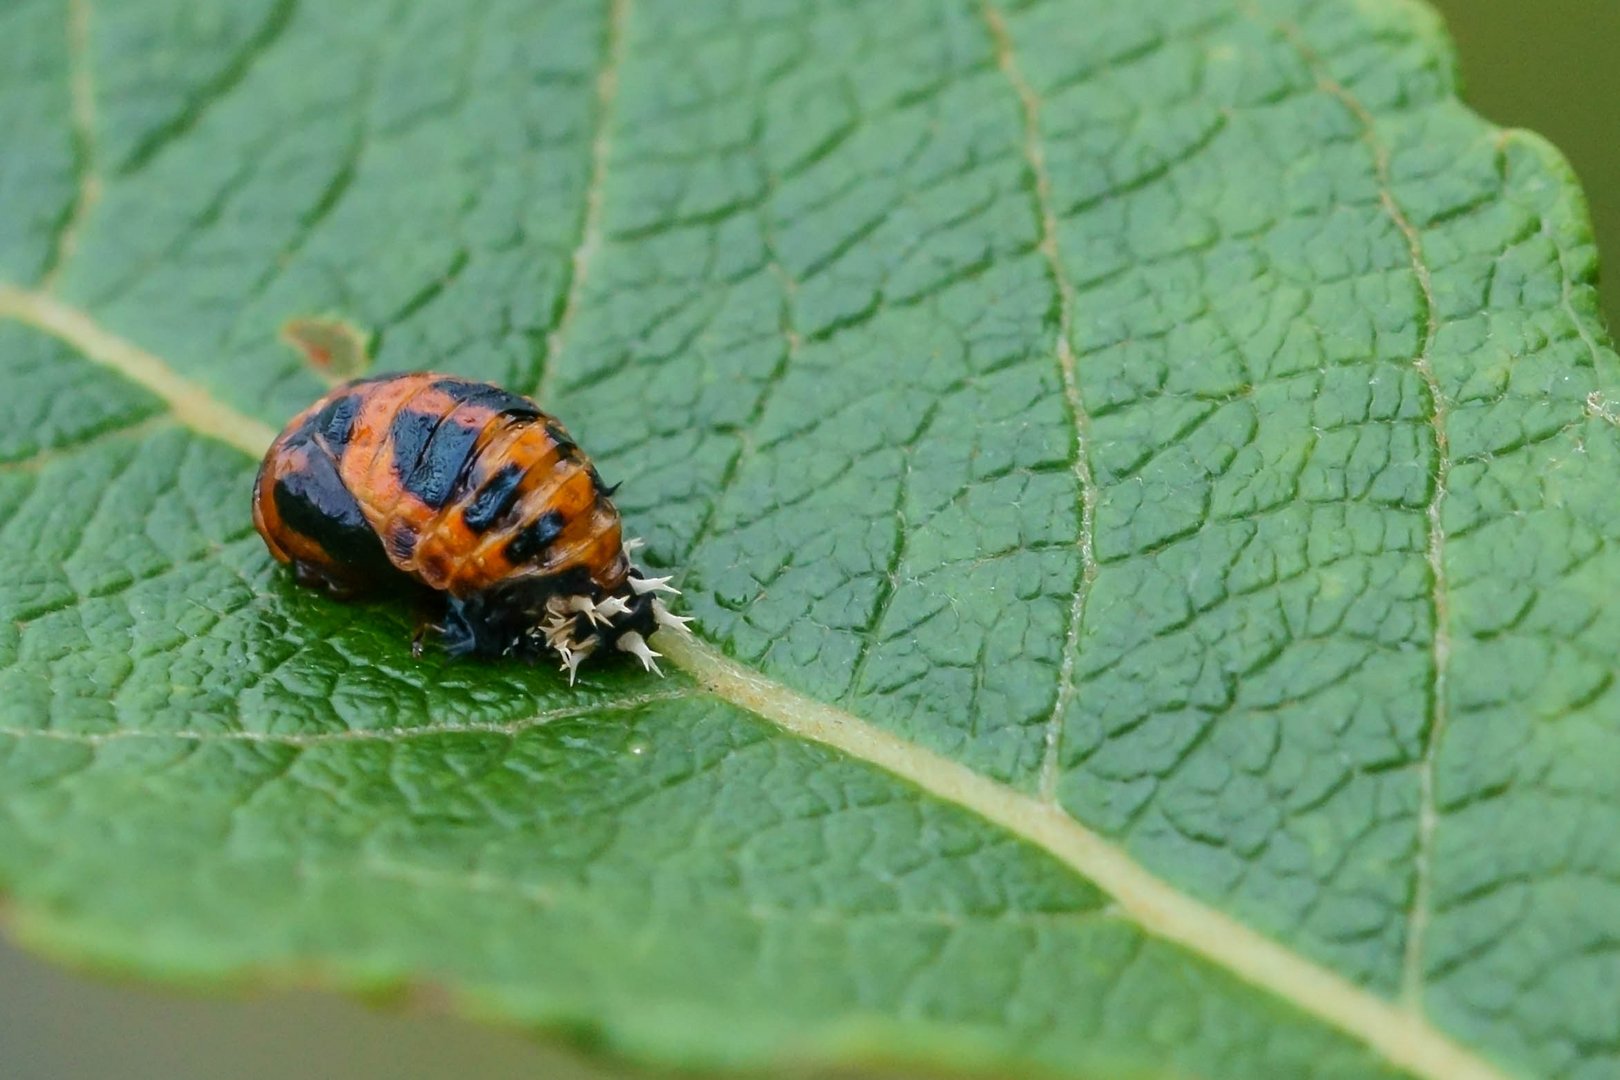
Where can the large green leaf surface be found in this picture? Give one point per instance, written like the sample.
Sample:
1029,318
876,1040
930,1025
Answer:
1144,474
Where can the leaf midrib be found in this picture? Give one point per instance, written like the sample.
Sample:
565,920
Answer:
1402,1036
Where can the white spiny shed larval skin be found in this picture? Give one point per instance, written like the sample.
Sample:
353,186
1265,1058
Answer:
577,626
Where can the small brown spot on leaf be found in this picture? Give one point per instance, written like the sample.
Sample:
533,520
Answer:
334,347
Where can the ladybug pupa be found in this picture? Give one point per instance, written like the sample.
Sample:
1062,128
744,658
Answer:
472,492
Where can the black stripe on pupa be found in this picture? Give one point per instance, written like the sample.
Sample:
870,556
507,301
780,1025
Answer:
335,422
409,434
566,447
491,397
494,500
447,454
535,537
314,502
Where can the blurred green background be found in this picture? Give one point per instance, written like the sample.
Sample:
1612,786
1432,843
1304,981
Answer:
1547,66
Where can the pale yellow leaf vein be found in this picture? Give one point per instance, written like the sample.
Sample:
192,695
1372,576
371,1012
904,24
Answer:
590,231
545,896
50,455
190,403
347,735
1428,818
82,104
1402,1036
1035,159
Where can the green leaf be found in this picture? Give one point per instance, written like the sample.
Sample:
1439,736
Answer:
1143,473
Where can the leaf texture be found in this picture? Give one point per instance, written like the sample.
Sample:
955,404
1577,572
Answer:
1142,473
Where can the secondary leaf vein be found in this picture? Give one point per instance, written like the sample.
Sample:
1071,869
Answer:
1035,159
348,735
82,94
590,223
1435,727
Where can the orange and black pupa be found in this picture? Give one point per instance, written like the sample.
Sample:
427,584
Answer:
473,492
